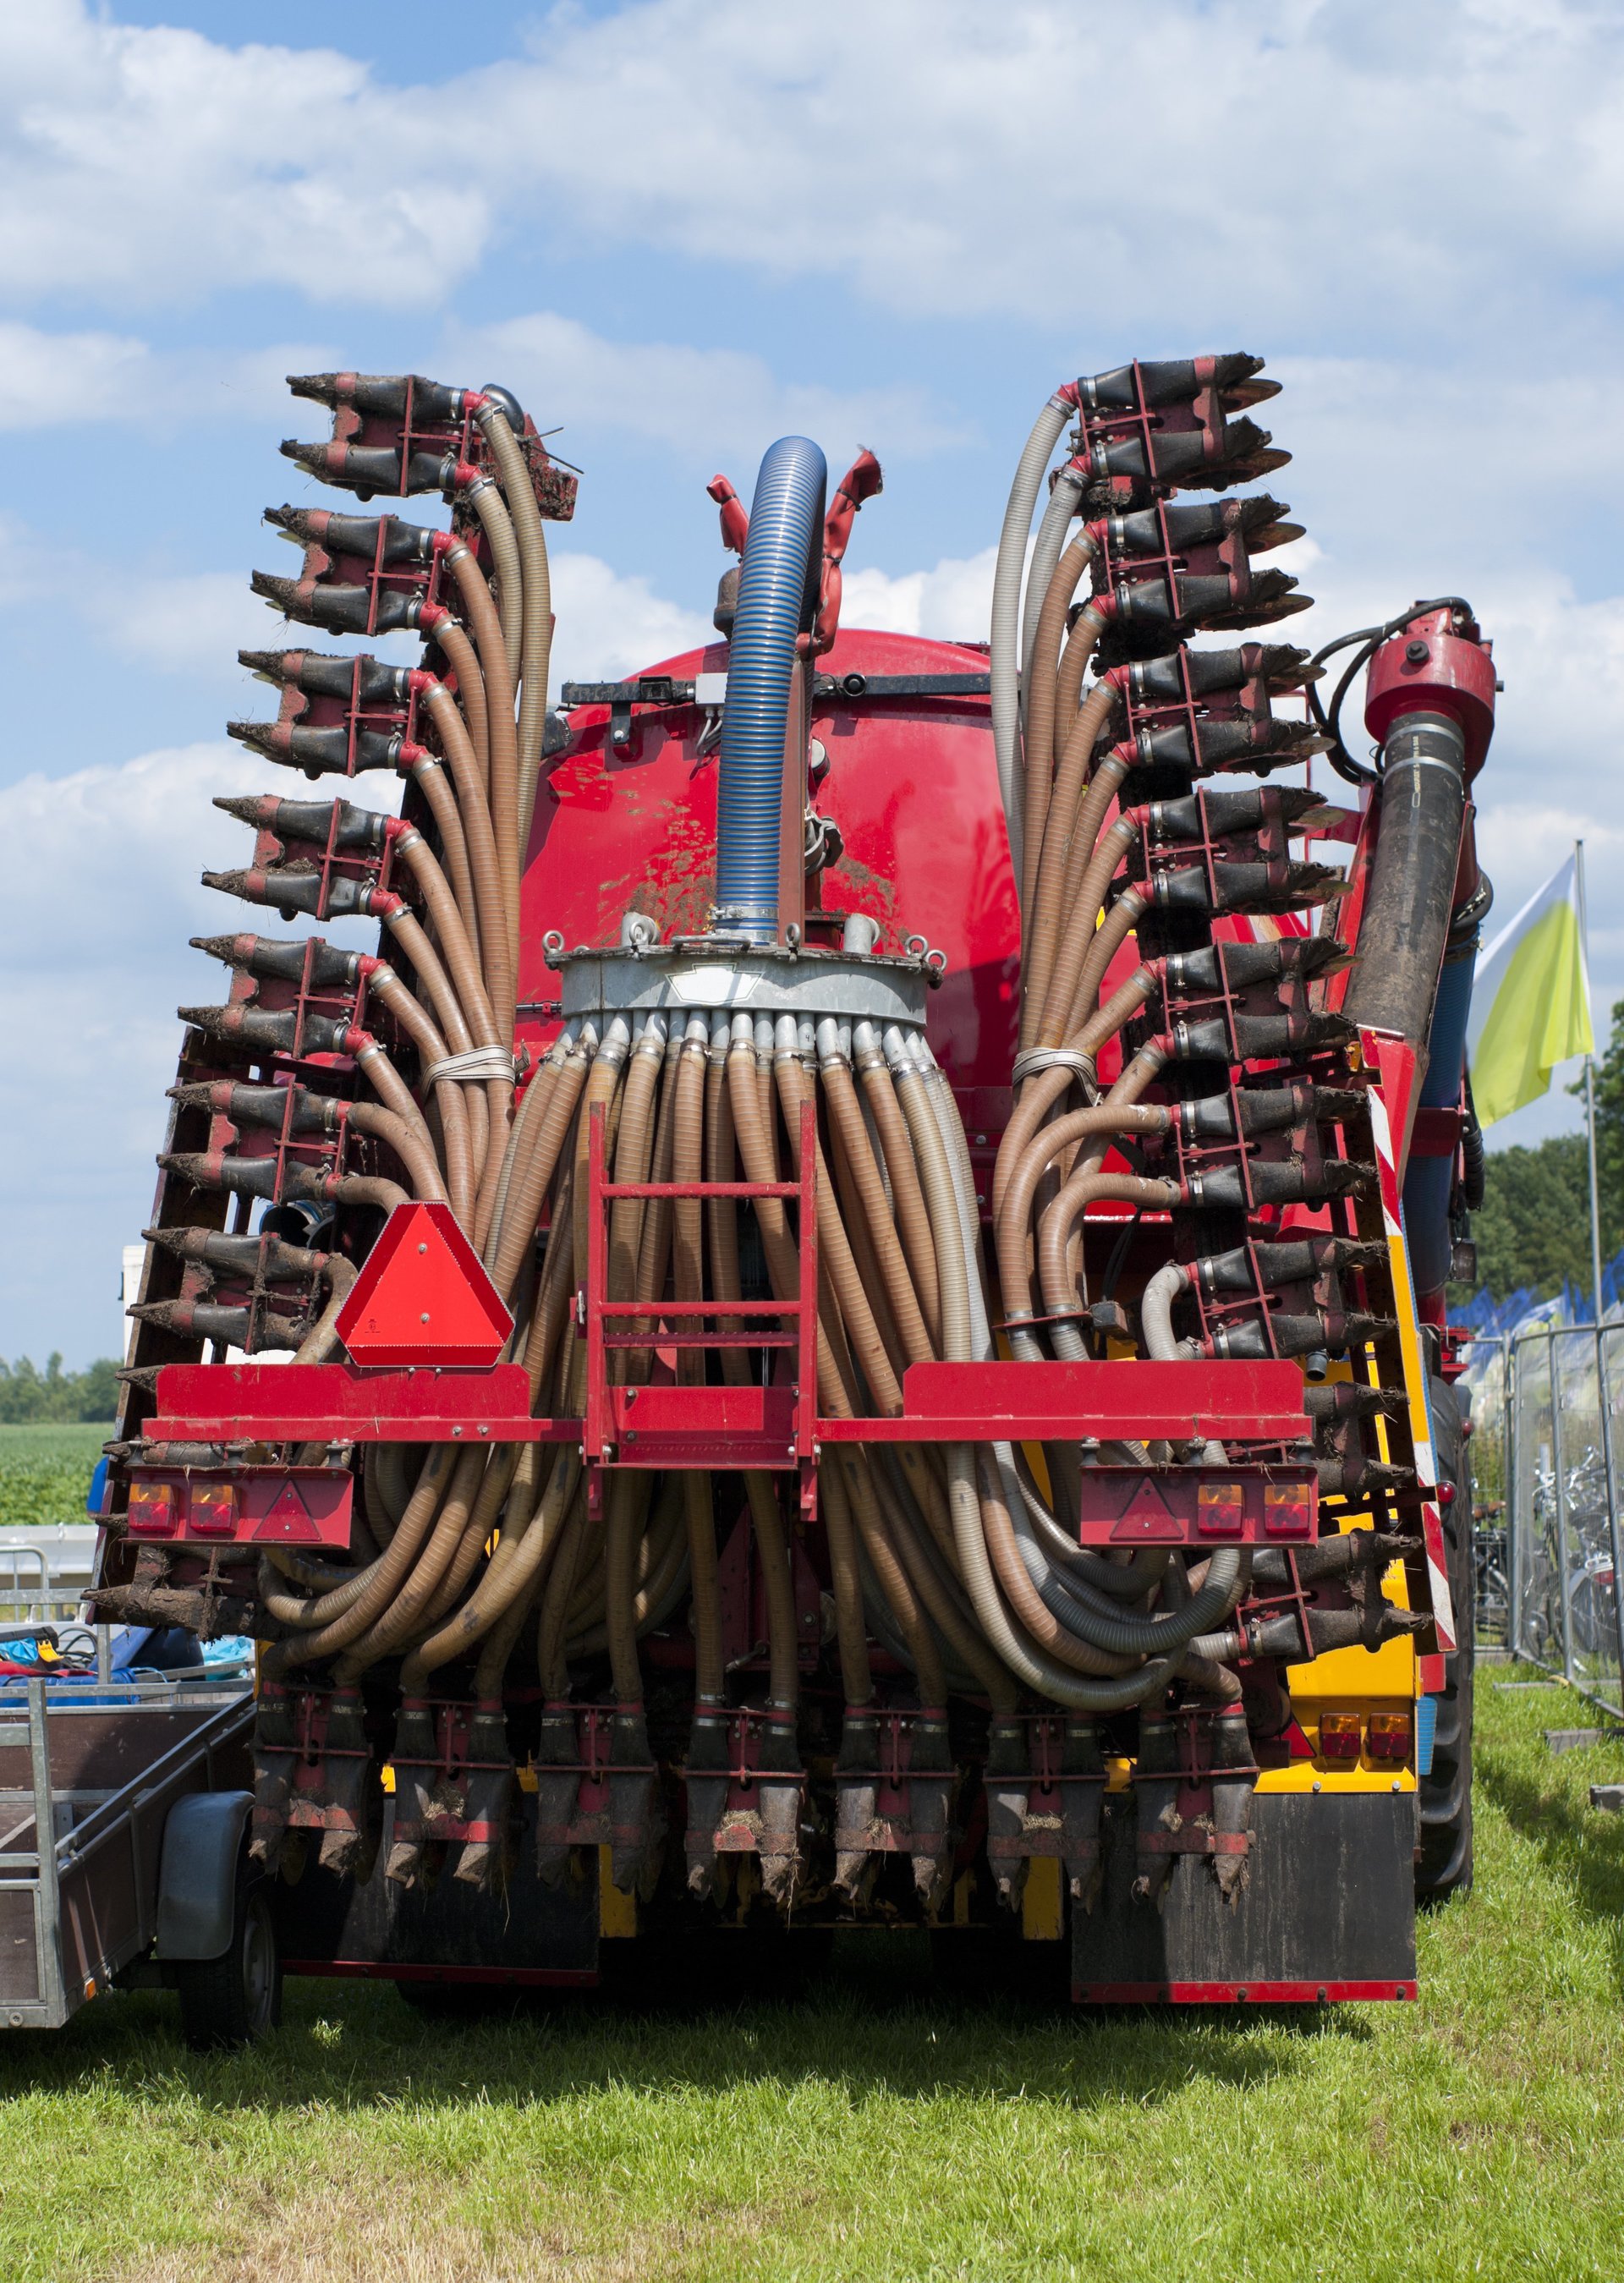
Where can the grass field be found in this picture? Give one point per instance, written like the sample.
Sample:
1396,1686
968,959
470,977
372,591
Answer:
45,1472
875,2131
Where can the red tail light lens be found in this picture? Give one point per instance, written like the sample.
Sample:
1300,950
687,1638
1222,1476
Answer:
152,1510
1390,1736
1340,1736
212,1510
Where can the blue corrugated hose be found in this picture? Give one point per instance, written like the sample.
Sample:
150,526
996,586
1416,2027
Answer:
778,599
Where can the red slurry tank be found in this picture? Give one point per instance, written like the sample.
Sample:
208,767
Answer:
902,766
967,1454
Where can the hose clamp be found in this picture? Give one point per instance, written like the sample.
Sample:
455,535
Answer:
1030,1060
477,1063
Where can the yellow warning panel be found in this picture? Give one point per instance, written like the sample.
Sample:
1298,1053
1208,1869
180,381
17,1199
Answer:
617,1912
1043,1914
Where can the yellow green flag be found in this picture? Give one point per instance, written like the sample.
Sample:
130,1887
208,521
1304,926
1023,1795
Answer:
1530,1000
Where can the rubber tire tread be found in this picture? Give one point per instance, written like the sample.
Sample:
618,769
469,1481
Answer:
215,2014
1444,1866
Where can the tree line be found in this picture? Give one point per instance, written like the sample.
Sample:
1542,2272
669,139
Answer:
32,1398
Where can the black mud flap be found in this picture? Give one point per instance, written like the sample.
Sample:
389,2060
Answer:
441,1928
1326,1912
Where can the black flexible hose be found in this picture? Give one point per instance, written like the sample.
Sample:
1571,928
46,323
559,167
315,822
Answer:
1474,1160
1352,772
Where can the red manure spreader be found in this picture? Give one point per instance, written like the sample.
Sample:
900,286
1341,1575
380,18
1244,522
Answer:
861,1229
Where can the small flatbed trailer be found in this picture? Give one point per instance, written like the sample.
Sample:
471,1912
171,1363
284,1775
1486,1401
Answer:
123,1818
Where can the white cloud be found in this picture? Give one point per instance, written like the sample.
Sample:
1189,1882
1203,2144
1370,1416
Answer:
187,622
48,379
703,401
152,160
610,626
953,603
1280,162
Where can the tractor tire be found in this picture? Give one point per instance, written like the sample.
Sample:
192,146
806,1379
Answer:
1444,1865
234,1999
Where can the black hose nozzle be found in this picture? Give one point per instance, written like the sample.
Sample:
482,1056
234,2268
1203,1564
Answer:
1328,1629
274,1029
1237,452
366,469
325,823
276,1108
334,750
364,681
1328,1331
210,1320
381,538
390,393
1274,886
330,968
1338,1400
1174,380
1368,1552
1223,809
1237,966
339,609
1202,522
1279,1181
1277,667
266,1257
1298,1262
251,1177
1260,1038
1363,1477
1263,1110
292,888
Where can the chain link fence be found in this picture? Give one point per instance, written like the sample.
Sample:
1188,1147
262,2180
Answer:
1546,1404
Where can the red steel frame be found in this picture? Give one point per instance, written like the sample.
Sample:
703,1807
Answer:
774,1427
608,1427
942,1403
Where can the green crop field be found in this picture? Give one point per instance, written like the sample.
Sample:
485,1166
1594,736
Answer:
875,2131
45,1472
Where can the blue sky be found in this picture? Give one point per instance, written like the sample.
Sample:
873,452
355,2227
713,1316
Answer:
676,228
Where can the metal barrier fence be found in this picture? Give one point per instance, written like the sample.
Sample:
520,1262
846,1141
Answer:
1545,1407
30,1588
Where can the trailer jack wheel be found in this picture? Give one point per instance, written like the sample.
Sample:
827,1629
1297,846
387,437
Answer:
234,1999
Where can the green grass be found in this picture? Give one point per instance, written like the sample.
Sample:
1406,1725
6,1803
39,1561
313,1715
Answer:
45,1472
874,2132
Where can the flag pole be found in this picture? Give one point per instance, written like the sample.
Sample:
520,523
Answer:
1589,1091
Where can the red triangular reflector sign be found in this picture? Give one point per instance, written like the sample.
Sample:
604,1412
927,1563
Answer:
424,1297
288,1519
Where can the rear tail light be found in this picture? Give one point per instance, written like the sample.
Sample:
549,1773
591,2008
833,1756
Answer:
1340,1736
1389,1736
152,1510
212,1510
